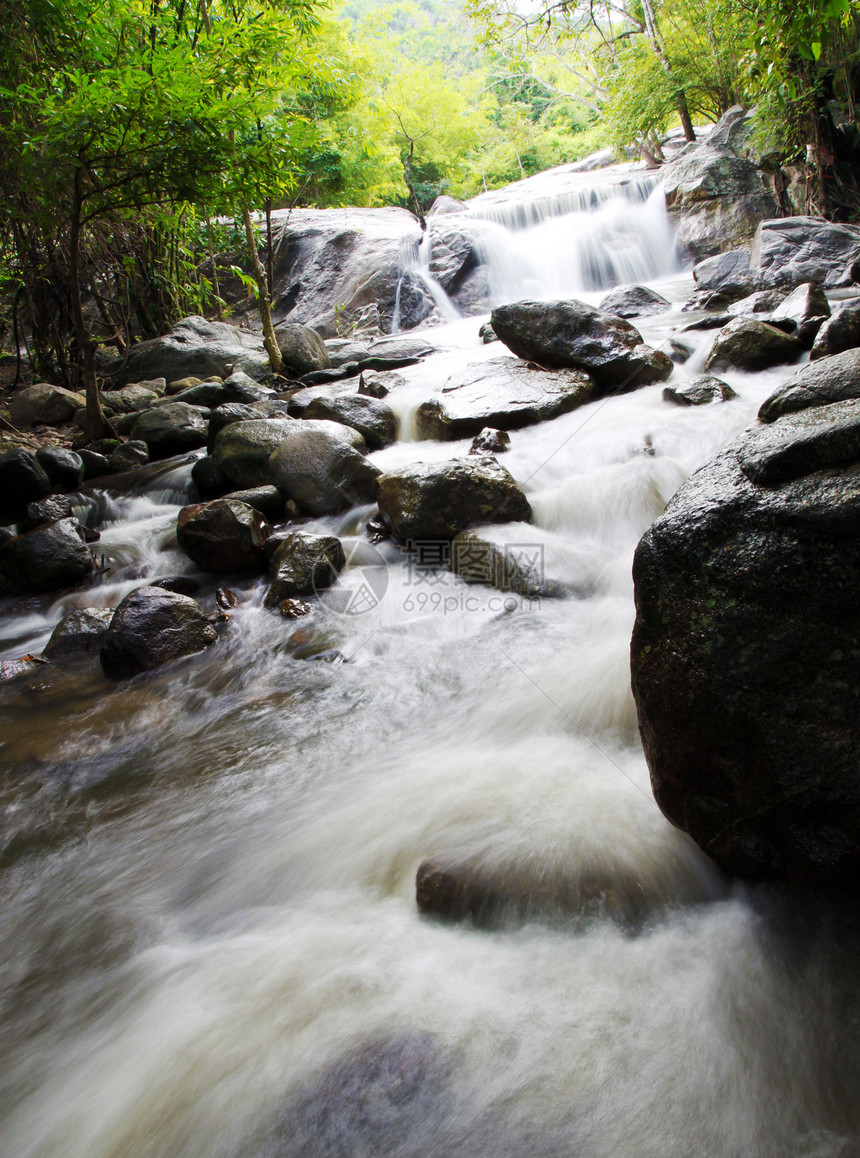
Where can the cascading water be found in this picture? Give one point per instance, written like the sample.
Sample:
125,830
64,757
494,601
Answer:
211,947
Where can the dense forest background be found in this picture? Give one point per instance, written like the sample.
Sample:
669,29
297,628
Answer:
144,140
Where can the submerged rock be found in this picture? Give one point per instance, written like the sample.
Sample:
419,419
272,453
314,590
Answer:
303,564
152,627
50,558
79,632
748,344
490,441
700,392
570,334
745,665
438,500
225,536
501,393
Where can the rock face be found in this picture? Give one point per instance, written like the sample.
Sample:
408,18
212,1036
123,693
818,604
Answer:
504,394
197,348
317,465
839,332
79,632
573,335
435,501
152,627
745,654
22,480
749,344
171,429
50,558
827,380
700,392
302,349
374,421
44,404
632,301
303,564
225,536
717,195
793,250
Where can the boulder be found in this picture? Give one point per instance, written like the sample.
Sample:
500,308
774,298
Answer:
715,271
839,332
303,564
44,405
301,399
749,344
63,467
242,450
437,500
487,334
794,250
700,391
129,456
570,334
379,383
374,421
152,627
632,301
210,480
95,465
79,632
171,428
128,399
50,558
745,661
196,348
225,415
760,302
267,500
225,536
22,480
808,307
237,388
344,351
509,557
827,380
302,349
453,252
181,384
83,508
490,441
318,466
501,393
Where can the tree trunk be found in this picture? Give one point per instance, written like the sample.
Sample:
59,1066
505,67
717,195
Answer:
656,40
97,424
218,304
269,339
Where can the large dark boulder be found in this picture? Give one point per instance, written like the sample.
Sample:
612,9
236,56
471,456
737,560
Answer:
504,394
303,564
750,344
23,480
153,627
573,335
833,379
793,250
633,301
746,651
437,500
63,467
225,536
840,332
318,466
228,413
196,348
129,456
242,450
49,558
374,420
302,349
79,632
171,428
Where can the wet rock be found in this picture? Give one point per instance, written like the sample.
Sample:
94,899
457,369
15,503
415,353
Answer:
342,351
63,467
632,301
224,536
793,250
294,608
379,384
761,302
197,348
227,414
833,379
95,465
472,296
49,558
501,393
181,584
326,377
128,456
374,421
700,392
128,399
105,446
490,441
171,429
744,661
748,344
808,308
318,466
301,399
238,388
122,423
711,273
453,255
54,507
13,669
399,348
79,632
438,500
507,558
152,627
22,480
302,349
840,332
267,500
570,334
43,405
210,480
303,564
226,599
242,450
487,334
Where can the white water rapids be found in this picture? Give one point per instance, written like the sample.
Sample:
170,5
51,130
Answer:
209,921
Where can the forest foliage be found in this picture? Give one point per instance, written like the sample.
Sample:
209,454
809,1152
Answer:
141,140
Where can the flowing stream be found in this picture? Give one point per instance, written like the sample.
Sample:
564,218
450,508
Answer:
210,942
